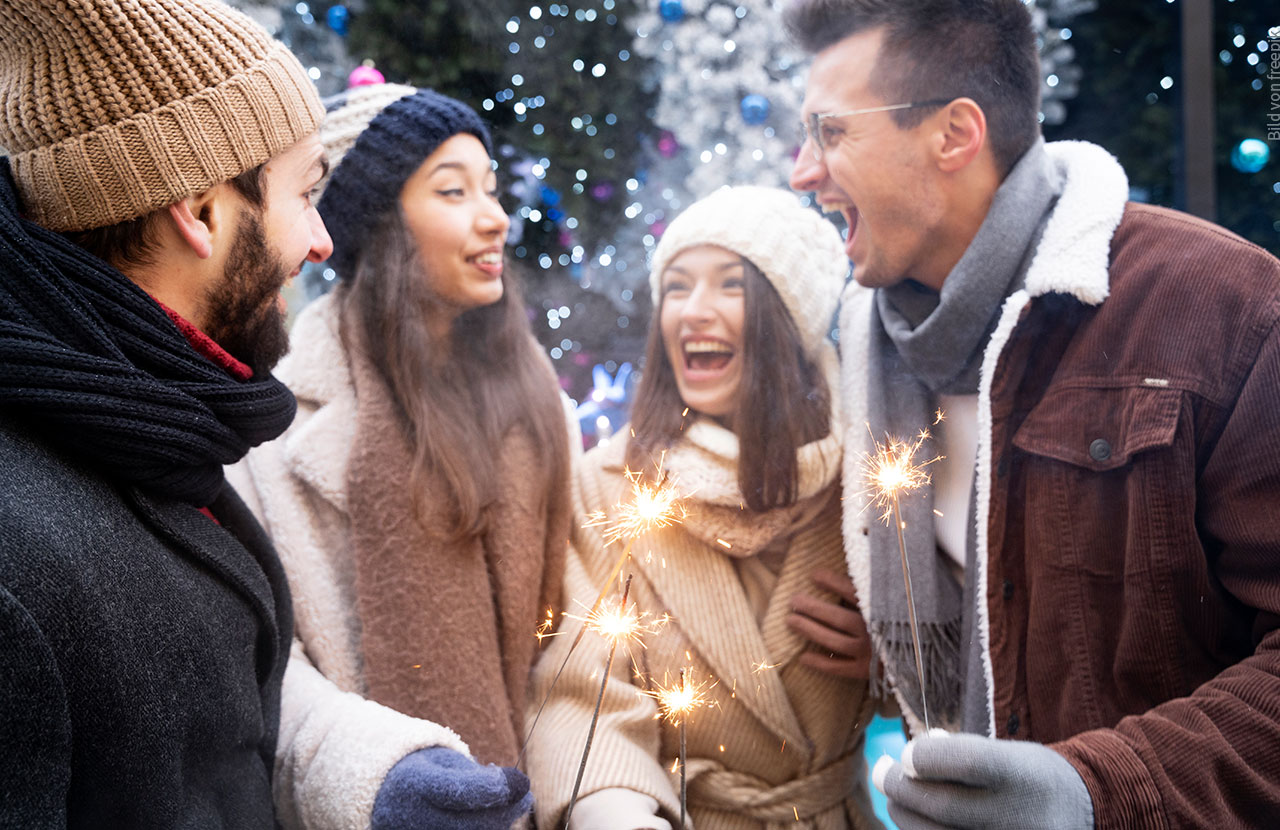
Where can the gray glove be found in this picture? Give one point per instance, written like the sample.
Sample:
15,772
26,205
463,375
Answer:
972,781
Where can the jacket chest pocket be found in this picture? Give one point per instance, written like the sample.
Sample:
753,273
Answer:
1101,478
1100,429
1102,508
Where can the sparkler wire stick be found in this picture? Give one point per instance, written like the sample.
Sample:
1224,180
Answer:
889,472
595,716
911,612
684,775
595,606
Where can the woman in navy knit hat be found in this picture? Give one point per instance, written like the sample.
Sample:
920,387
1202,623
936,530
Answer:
420,500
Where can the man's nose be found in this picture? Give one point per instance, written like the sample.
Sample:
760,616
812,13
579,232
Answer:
808,172
321,243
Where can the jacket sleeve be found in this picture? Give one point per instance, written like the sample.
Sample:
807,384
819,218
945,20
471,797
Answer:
1211,759
336,747
35,764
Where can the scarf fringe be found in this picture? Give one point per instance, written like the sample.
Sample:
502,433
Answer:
940,647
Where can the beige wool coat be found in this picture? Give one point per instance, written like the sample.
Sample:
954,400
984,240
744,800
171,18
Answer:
336,745
779,746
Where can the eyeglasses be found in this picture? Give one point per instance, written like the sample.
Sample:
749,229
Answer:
811,127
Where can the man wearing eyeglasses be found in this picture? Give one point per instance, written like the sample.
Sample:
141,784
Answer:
1095,565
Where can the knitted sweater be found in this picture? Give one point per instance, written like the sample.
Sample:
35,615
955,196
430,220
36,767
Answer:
780,741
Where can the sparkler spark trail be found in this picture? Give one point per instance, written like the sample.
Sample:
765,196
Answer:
889,471
547,626
674,705
652,506
617,628
676,701
618,623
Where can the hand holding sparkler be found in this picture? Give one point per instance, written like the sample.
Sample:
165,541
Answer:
888,472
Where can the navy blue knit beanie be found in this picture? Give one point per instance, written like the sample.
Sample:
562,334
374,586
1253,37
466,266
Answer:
375,137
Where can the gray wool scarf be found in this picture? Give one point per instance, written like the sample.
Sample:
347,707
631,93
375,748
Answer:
925,344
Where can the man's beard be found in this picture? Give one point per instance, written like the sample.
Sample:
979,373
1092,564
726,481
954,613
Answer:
244,315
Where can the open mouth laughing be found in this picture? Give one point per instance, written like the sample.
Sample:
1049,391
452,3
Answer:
705,356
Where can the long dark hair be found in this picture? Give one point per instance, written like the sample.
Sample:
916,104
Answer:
782,402
456,410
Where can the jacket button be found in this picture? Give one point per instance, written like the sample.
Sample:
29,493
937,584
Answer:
1002,468
1008,589
1100,449
1013,724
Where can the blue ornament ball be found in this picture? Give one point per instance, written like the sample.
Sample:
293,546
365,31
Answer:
672,11
338,17
755,108
1250,155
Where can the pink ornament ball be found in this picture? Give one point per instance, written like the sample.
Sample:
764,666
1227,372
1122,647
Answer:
364,76
667,144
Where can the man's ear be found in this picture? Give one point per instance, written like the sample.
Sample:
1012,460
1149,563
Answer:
962,134
199,219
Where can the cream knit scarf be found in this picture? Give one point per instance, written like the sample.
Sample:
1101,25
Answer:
704,466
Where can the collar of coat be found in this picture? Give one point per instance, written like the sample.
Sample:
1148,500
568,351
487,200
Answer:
318,372
1074,254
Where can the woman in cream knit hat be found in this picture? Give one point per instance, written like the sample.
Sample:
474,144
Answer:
734,410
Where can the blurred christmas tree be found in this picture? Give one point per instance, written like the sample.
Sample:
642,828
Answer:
610,116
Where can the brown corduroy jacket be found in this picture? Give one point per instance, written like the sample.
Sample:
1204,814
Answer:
1134,529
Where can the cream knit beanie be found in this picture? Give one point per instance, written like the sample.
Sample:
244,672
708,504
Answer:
110,109
799,252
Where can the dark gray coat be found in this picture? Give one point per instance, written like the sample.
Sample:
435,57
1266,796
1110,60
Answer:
141,651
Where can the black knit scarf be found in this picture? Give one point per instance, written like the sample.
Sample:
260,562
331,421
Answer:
95,367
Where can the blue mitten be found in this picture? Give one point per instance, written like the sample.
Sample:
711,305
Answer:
439,787
972,781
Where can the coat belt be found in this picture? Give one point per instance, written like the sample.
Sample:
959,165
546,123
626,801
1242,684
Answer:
802,799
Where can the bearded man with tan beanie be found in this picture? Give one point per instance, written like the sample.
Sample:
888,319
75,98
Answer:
153,199
160,158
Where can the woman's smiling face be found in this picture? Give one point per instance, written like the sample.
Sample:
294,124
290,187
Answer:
701,318
451,208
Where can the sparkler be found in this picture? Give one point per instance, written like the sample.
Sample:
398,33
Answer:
615,626
652,506
889,471
674,705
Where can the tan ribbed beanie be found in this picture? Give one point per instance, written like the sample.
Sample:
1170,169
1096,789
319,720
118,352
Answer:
110,109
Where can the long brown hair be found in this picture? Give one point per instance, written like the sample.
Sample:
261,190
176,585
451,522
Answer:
456,410
782,401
